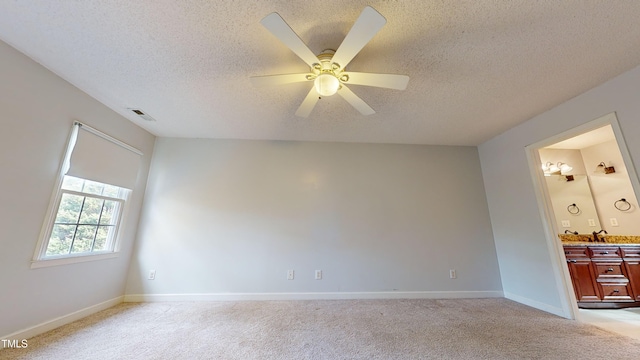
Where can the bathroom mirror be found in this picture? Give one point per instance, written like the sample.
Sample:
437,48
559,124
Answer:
573,203
600,179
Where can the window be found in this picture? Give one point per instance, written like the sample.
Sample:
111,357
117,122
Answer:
85,216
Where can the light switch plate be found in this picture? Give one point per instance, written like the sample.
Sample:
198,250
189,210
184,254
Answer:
566,223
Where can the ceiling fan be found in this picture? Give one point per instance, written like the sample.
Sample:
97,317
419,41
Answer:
328,70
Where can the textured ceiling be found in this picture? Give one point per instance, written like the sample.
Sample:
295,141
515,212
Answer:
477,68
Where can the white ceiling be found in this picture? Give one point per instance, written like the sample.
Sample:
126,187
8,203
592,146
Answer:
477,68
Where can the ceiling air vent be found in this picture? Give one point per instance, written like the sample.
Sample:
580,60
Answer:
142,114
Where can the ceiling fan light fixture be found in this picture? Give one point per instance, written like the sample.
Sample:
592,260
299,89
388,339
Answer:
326,84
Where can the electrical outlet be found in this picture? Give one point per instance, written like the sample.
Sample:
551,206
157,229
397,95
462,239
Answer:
614,221
452,274
290,275
592,222
318,274
152,275
566,224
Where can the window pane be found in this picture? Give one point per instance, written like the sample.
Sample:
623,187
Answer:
69,209
84,238
60,239
85,223
72,183
108,210
91,211
101,238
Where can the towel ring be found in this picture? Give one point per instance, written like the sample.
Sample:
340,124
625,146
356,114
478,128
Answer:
622,205
573,209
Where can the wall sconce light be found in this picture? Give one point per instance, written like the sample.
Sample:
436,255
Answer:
564,168
549,168
555,169
603,168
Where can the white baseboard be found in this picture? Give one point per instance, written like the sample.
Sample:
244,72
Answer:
536,304
314,296
62,320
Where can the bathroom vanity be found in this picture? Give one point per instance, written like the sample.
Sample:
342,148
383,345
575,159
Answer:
604,275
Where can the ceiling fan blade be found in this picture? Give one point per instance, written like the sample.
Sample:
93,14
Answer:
272,80
280,29
389,81
366,26
355,101
308,103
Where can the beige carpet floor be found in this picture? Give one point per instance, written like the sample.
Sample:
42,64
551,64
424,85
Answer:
331,329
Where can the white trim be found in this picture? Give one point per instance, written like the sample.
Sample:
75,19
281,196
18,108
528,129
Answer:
538,305
554,247
314,296
72,259
62,320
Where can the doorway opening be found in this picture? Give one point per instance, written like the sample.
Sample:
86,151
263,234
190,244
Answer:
586,187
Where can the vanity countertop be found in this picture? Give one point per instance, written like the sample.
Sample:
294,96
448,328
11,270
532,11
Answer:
586,243
609,240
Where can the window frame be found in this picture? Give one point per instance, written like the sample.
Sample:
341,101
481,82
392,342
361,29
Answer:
110,245
40,259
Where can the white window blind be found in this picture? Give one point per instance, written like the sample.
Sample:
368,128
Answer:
99,157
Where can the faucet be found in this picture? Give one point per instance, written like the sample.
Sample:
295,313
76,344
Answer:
571,232
595,235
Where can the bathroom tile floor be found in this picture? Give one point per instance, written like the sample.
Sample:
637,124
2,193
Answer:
622,321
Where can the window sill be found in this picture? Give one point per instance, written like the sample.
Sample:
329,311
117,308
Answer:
71,260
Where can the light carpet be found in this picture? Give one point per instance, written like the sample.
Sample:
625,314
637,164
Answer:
327,329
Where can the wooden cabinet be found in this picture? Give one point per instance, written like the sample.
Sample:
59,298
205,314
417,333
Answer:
631,257
605,276
583,280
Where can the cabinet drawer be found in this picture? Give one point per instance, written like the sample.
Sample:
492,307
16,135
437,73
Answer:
576,252
616,292
598,252
608,270
630,252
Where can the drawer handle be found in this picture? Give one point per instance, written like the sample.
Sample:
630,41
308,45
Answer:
604,252
616,291
567,252
610,269
572,261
